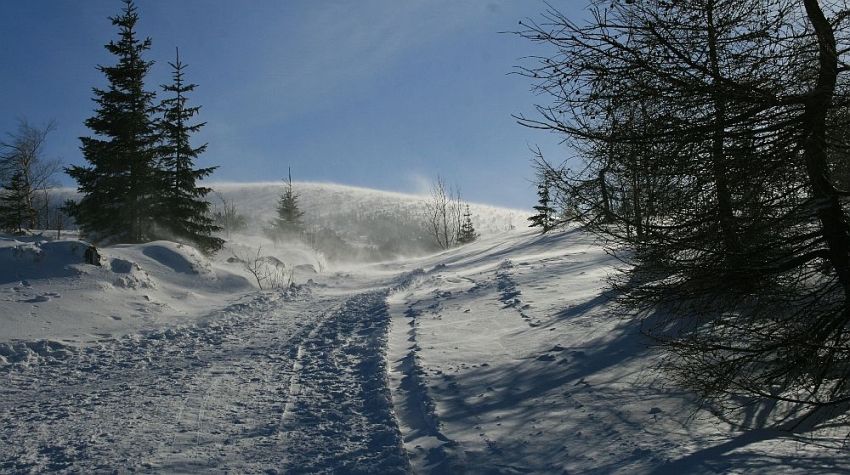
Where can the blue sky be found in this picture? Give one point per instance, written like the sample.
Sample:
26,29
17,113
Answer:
384,94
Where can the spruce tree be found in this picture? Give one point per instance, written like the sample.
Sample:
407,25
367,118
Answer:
119,186
545,217
13,204
467,233
288,221
185,211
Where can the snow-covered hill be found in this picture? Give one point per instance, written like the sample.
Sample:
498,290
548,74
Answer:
353,224
46,292
352,210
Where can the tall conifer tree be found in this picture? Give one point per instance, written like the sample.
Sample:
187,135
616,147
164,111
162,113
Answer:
185,211
119,184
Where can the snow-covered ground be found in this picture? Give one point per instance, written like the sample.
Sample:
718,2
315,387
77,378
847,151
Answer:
502,356
506,358
48,292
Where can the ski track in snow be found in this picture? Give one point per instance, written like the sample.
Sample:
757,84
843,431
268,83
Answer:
279,383
342,399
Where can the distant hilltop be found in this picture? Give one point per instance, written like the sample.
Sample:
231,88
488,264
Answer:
373,224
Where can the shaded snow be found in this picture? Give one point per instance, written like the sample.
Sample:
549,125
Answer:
507,358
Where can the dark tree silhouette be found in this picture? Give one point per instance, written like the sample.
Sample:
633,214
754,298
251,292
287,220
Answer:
467,233
545,212
184,208
120,184
14,211
709,132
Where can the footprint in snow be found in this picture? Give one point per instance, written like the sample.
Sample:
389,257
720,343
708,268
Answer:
36,299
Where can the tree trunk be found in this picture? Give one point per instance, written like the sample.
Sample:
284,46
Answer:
637,209
718,149
604,196
824,196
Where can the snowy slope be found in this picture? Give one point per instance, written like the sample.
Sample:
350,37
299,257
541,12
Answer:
342,206
507,358
47,293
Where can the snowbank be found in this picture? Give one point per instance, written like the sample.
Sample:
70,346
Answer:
49,294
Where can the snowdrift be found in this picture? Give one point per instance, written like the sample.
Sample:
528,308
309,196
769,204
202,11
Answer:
39,260
48,292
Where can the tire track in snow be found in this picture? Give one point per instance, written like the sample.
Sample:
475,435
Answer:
341,417
278,383
509,294
417,410
187,399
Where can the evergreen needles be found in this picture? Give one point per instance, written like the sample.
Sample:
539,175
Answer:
140,181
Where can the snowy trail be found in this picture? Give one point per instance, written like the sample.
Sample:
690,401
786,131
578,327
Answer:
343,401
277,383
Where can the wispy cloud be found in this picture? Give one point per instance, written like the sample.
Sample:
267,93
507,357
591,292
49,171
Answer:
332,47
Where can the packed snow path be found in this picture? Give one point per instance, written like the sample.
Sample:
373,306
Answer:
280,382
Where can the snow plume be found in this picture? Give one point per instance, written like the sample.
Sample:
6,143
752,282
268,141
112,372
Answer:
342,223
281,260
350,224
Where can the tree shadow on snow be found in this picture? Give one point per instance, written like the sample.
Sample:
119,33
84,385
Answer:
495,254
824,455
520,389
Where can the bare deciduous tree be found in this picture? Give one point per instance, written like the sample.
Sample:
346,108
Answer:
444,212
228,217
269,272
22,159
712,138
